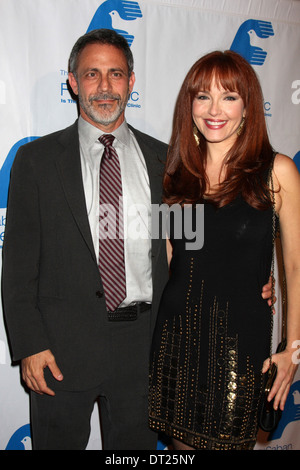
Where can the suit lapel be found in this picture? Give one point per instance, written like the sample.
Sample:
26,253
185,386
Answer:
69,168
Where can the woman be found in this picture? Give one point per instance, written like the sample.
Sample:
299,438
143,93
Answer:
212,338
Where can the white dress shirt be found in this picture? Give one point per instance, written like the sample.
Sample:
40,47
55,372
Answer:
136,204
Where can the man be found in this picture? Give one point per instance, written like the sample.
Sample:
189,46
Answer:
74,348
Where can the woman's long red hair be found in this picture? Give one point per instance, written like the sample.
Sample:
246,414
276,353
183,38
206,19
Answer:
247,161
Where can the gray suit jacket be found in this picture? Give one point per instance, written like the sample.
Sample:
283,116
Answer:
52,288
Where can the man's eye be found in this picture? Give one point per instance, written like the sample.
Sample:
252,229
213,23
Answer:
116,74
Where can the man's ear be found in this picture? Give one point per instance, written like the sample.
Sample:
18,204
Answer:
131,82
73,83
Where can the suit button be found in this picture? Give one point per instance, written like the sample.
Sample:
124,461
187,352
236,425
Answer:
99,294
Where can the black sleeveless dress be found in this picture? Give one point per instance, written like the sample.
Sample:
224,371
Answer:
213,332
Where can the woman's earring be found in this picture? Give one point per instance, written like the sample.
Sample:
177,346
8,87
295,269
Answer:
196,137
239,131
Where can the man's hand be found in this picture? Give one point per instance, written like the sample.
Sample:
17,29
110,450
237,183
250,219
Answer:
33,371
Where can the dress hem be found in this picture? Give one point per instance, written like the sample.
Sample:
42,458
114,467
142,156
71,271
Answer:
200,441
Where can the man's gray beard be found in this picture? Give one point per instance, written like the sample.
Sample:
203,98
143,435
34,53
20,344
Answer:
100,117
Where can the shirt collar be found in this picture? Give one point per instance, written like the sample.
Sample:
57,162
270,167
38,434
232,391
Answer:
90,134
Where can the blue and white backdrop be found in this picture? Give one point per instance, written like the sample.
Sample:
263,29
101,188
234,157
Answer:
166,37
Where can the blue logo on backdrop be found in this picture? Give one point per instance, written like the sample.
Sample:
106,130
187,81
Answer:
114,14
5,170
245,38
297,160
291,411
21,439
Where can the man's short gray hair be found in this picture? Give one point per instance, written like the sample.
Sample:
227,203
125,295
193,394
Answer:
100,36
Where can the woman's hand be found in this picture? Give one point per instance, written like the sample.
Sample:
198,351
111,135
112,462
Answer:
286,370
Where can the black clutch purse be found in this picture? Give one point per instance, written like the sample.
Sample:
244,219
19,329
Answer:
269,418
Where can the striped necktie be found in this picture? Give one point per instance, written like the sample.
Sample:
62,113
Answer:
111,239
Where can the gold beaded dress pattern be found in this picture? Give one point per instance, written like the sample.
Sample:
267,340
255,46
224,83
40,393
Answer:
213,332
